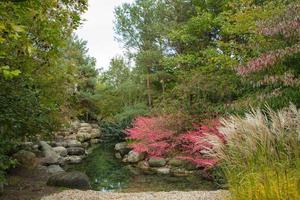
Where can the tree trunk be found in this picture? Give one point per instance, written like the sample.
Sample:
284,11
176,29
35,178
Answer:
149,90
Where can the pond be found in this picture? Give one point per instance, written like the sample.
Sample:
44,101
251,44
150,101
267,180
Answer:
109,174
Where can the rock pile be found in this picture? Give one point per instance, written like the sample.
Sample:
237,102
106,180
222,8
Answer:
69,146
138,163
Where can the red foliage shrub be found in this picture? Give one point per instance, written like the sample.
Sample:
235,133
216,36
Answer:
153,136
194,144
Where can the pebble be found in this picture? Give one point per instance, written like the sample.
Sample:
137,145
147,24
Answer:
175,195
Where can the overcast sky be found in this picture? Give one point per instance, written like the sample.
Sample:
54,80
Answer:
98,30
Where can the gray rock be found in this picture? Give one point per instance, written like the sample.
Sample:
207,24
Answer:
71,137
75,124
27,146
83,136
62,151
51,157
85,145
52,143
76,151
190,166
87,129
73,159
42,168
73,143
180,172
61,144
161,170
26,159
134,157
176,162
46,161
122,148
74,180
54,169
144,167
85,125
95,126
95,133
118,156
35,147
95,141
157,162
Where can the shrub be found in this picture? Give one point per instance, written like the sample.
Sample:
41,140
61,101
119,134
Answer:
196,143
160,137
261,157
151,135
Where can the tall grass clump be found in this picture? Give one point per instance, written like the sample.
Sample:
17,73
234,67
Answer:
261,156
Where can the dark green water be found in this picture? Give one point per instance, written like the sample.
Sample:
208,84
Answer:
109,174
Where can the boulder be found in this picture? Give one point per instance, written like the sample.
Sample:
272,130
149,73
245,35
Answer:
118,155
175,162
188,165
62,151
122,148
83,136
75,125
73,180
73,159
161,170
27,146
95,141
87,128
134,157
180,172
95,133
61,144
85,125
26,159
51,157
157,162
54,169
144,167
76,151
85,145
73,143
71,137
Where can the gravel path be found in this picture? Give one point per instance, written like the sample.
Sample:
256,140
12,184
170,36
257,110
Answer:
94,195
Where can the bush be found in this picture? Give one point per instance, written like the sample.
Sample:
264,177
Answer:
261,157
163,136
6,161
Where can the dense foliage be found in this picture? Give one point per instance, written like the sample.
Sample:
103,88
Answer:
41,64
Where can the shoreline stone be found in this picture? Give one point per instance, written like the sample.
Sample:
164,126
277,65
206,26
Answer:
74,180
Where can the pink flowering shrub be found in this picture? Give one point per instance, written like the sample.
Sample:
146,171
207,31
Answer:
153,136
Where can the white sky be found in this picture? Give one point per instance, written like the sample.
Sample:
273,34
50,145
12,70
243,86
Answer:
98,31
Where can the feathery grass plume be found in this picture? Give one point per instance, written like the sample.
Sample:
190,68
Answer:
261,156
